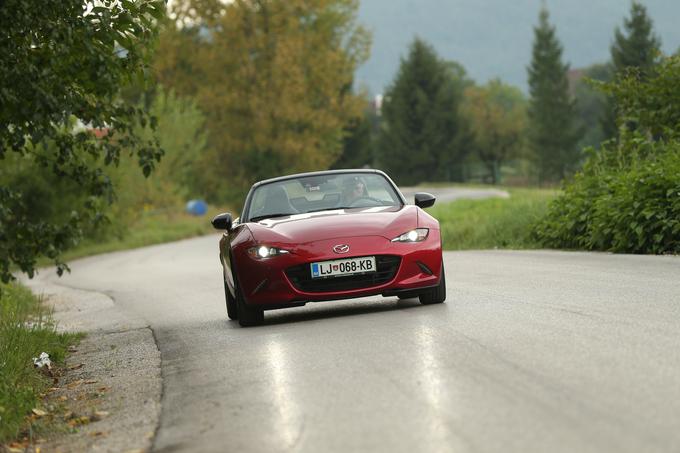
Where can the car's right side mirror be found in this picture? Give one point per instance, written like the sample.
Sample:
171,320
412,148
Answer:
222,221
424,199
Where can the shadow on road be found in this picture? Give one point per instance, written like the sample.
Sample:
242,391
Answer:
322,310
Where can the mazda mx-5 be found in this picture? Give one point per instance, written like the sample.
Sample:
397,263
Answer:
325,236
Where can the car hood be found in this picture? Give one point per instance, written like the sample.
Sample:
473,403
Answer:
387,222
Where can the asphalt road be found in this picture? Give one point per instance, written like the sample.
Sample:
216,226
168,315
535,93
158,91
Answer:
533,351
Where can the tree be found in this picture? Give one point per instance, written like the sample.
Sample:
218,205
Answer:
357,149
274,78
553,133
635,47
591,104
423,133
625,198
63,63
181,133
497,115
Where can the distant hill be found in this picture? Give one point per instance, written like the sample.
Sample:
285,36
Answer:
492,38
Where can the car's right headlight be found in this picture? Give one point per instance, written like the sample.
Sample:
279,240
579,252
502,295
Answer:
417,235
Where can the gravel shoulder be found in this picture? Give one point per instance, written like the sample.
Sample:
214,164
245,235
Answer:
111,389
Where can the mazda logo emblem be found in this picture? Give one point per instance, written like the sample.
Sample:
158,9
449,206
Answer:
341,248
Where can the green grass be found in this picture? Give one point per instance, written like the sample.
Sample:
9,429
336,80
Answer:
26,330
494,222
149,229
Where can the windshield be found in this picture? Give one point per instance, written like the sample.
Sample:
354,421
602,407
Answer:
319,193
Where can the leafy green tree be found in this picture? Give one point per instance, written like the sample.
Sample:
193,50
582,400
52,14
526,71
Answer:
497,115
423,134
627,196
591,103
637,46
357,149
273,78
553,131
182,136
65,61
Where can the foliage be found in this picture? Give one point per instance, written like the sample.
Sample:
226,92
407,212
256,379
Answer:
26,330
423,131
591,103
357,147
497,115
553,132
64,60
652,103
148,228
627,197
493,222
637,48
273,78
181,133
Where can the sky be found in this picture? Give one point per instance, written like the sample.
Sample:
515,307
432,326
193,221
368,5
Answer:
492,38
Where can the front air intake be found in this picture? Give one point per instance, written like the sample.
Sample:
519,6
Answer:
301,277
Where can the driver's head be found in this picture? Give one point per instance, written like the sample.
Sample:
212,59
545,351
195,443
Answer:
353,188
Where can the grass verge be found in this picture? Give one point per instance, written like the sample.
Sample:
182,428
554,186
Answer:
149,229
494,222
26,330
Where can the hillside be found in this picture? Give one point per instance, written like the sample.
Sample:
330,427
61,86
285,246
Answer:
492,38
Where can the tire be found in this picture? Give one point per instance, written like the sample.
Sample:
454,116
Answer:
232,309
247,315
436,295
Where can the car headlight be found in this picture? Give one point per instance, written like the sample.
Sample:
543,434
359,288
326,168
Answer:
417,235
264,251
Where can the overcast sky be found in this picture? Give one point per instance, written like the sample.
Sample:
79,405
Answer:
492,38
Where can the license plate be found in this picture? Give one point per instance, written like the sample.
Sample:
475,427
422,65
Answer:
347,266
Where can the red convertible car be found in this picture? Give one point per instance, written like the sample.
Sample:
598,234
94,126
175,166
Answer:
328,235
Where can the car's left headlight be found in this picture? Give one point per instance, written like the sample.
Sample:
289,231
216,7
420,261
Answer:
417,235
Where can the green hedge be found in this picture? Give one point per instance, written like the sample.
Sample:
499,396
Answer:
626,199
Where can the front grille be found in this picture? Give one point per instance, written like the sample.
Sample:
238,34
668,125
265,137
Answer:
301,277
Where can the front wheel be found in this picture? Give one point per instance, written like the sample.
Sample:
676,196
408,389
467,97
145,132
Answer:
232,309
247,315
435,295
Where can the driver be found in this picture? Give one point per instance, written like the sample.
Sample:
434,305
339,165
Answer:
353,188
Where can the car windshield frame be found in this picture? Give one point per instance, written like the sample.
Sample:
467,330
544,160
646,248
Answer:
395,194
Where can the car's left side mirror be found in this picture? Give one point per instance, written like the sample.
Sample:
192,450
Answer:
424,199
222,221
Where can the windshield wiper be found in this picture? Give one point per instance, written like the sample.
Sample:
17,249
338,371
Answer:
270,216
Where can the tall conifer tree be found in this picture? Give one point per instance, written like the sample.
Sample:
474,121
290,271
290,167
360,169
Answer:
635,47
424,135
553,133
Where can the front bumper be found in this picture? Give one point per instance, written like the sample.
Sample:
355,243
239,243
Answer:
269,282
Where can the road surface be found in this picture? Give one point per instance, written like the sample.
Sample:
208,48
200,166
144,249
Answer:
532,351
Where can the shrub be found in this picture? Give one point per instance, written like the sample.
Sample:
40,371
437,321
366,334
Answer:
625,200
627,197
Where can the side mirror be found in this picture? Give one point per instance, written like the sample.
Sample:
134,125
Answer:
424,199
222,221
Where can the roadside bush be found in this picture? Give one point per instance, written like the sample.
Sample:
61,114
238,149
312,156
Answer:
625,200
627,197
